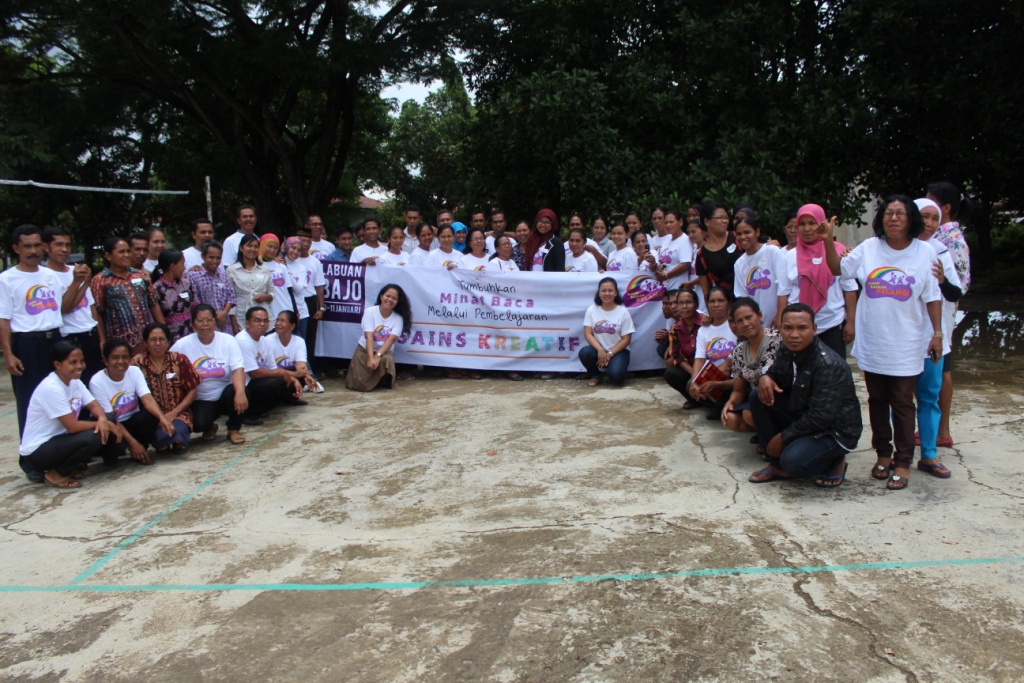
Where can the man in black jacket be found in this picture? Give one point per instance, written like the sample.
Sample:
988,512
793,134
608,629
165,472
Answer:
805,410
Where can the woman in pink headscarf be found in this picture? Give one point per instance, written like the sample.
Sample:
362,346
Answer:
807,279
544,249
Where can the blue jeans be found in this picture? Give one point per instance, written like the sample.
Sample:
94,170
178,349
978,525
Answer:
929,382
182,434
807,456
617,366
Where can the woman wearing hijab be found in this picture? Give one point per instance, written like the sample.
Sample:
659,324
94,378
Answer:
301,276
544,250
460,244
929,382
898,322
806,278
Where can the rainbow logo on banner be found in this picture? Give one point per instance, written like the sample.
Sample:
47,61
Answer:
889,282
39,298
641,290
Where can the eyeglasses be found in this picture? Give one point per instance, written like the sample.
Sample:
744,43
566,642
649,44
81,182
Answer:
544,221
203,321
719,218
157,340
894,214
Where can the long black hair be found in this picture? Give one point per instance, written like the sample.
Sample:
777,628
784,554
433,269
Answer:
916,223
597,294
168,257
960,205
402,308
251,237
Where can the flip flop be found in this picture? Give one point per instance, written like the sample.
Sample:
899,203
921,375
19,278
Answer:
515,377
936,469
944,443
774,476
236,440
69,484
897,483
832,481
211,433
881,472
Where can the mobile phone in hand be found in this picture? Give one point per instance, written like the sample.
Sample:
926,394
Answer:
75,259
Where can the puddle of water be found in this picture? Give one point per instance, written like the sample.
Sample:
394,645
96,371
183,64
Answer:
988,343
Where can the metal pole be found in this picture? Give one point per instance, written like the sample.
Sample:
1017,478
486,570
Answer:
209,200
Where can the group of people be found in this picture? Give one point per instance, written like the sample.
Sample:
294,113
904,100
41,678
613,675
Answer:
162,342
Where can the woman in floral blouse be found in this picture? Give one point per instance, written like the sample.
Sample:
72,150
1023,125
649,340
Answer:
172,381
751,358
174,293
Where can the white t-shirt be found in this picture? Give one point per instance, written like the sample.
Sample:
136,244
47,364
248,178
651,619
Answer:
230,254
80,318
51,401
697,289
757,276
584,263
501,266
320,249
255,354
470,262
121,398
213,362
419,257
892,315
622,260
365,251
302,280
316,269
608,326
590,243
286,356
31,301
283,283
389,259
438,258
948,307
657,244
538,257
673,252
381,327
148,265
715,343
193,257
833,312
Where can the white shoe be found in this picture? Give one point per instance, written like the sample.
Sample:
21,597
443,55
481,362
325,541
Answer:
305,387
318,388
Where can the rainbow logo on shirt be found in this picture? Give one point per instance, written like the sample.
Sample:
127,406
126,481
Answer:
889,282
76,406
284,362
718,348
477,268
538,259
448,264
278,278
572,269
613,266
381,334
758,278
123,403
39,298
664,256
604,327
84,303
209,368
641,290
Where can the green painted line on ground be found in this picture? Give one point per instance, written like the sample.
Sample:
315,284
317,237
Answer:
594,578
103,561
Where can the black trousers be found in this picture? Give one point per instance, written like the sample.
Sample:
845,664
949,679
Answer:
833,338
34,354
677,378
311,326
263,394
90,343
807,456
142,426
69,452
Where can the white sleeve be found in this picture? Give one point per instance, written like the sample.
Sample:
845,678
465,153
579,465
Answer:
234,354
369,320
588,319
300,353
782,268
318,273
396,330
949,270
139,379
850,264
739,284
51,400
627,323
6,300
701,343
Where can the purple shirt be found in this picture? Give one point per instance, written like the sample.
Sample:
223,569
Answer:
215,290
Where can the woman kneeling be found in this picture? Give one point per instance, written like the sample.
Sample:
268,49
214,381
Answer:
607,328
373,364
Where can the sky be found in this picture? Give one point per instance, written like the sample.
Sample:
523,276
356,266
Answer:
410,91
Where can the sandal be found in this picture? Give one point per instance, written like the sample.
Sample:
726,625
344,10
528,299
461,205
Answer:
689,405
897,483
934,468
406,376
772,476
77,475
881,472
944,443
594,382
832,481
475,375
515,377
211,433
237,439
67,483
455,374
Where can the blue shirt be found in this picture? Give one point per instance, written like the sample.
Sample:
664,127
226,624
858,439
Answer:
337,255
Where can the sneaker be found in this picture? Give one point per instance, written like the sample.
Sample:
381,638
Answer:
318,388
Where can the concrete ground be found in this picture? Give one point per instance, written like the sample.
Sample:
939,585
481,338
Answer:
491,531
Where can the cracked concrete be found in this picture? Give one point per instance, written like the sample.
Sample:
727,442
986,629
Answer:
450,481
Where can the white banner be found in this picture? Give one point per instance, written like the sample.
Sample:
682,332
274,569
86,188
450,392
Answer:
487,321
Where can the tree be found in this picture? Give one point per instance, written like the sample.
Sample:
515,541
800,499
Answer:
279,86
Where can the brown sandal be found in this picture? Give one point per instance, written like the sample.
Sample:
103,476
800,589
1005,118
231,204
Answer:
67,483
237,440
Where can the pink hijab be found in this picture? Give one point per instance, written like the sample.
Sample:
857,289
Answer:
815,277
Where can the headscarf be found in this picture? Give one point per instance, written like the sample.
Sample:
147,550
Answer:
288,245
535,239
264,241
458,227
811,266
924,203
